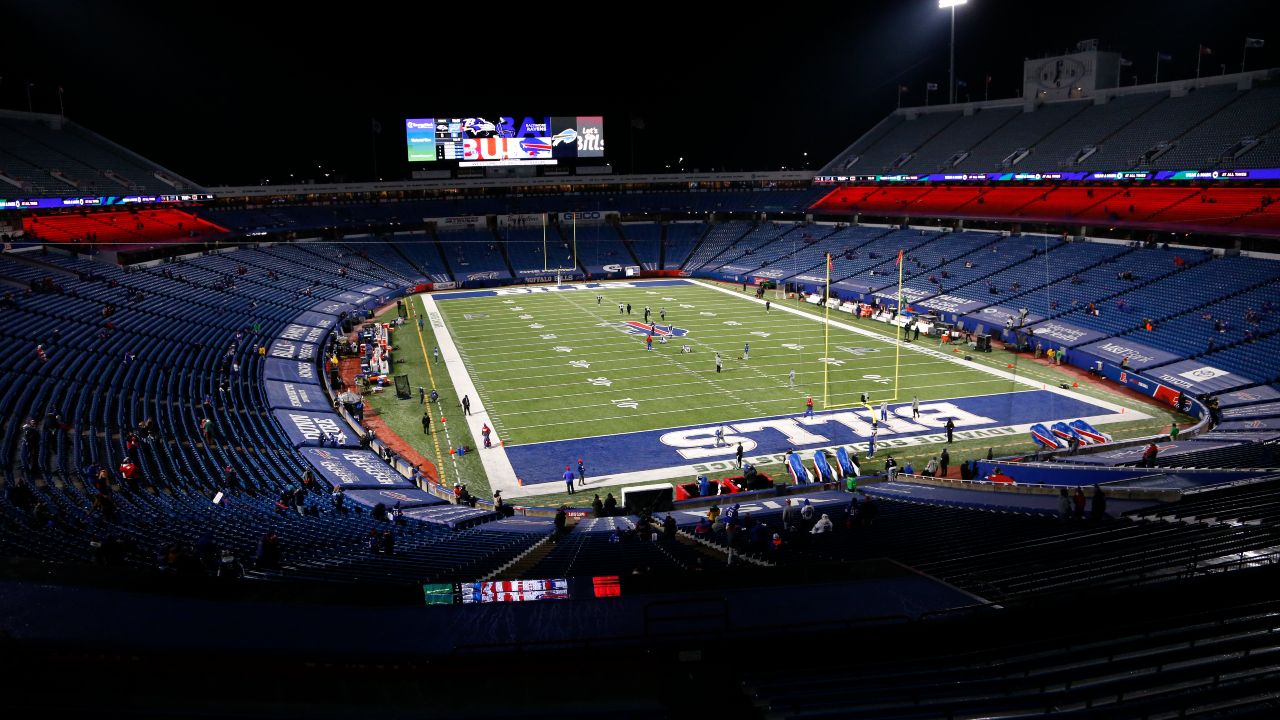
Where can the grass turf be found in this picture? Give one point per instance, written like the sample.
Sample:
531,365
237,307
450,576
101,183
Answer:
555,366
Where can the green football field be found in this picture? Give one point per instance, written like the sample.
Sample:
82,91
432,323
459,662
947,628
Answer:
558,365
550,367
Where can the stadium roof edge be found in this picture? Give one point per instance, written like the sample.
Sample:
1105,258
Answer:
62,120
1184,84
450,183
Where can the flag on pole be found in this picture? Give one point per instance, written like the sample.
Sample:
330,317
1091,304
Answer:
1206,51
377,126
1254,42
931,86
1163,57
1125,63
961,84
902,89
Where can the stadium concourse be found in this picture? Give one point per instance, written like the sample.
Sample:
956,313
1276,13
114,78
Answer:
174,415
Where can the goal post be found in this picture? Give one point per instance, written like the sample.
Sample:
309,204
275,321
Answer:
843,384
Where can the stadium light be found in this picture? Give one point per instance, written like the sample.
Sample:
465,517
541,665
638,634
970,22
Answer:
951,86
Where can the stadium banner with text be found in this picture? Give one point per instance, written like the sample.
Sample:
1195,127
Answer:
1060,334
1244,412
491,140
589,217
98,201
308,428
323,321
302,333
1140,356
287,395
1248,396
406,497
360,300
460,222
951,305
1135,381
354,469
294,371
377,292
1111,176
290,350
994,320
336,308
1198,378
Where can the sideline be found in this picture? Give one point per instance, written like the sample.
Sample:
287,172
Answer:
497,466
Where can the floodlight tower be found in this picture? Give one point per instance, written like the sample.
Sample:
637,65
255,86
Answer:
951,85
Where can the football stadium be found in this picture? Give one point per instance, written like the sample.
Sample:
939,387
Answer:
960,399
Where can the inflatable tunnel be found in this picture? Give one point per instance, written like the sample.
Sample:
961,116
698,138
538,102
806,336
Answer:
822,469
796,467
1088,433
1044,437
1065,432
848,468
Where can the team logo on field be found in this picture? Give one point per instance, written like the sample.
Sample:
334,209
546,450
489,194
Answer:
635,327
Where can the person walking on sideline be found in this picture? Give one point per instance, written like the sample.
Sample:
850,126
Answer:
466,404
791,378
426,423
568,479
436,353
808,407
951,429
719,363
739,454
915,407
582,473
766,306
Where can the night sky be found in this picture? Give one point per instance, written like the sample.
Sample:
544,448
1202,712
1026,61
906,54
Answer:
232,93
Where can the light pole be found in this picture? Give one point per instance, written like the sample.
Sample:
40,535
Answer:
951,84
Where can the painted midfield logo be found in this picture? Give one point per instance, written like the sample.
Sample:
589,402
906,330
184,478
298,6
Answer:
633,327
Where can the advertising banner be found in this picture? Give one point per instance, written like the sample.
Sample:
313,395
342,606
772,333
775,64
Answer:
309,428
355,469
295,371
287,395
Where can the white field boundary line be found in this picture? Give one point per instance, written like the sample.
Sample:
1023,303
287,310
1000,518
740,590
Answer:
911,347
884,448
502,476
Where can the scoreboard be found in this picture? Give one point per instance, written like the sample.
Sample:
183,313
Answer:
504,139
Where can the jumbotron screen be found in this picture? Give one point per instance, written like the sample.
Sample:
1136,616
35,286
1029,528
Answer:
514,591
504,139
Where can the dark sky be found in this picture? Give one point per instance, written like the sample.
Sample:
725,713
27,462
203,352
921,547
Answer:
231,93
